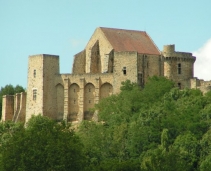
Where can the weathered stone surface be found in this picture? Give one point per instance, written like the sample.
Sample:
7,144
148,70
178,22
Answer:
97,73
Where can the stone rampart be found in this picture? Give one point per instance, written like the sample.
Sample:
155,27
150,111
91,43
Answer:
7,107
20,109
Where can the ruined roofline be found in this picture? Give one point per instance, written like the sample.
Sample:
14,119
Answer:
44,55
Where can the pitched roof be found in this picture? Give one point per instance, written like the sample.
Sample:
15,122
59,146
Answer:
130,40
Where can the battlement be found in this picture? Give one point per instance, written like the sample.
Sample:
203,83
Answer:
169,53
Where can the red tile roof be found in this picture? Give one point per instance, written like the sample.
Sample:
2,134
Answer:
130,40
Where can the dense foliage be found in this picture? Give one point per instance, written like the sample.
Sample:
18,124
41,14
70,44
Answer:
43,145
158,128
9,90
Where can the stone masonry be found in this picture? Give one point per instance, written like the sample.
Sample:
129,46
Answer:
110,57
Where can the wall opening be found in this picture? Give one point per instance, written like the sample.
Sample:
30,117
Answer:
60,101
179,85
35,73
124,70
34,94
179,68
73,102
89,101
140,79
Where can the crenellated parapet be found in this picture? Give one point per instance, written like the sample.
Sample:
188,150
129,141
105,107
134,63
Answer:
178,66
169,53
182,58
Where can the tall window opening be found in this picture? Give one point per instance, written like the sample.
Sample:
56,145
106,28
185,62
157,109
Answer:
179,68
140,79
124,70
35,94
35,73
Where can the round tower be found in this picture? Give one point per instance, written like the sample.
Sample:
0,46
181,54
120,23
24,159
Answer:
178,66
168,49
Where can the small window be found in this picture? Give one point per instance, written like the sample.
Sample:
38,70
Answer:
124,70
74,101
34,94
179,85
89,101
140,79
35,73
179,68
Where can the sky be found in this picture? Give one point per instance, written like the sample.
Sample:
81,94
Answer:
64,27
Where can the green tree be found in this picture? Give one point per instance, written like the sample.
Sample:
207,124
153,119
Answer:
155,88
206,163
7,130
188,148
162,160
205,150
160,123
43,145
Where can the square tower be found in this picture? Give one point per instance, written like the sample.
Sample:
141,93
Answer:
41,96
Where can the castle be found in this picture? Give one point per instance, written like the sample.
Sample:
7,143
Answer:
110,57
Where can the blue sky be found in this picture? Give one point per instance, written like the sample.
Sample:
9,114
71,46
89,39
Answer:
63,27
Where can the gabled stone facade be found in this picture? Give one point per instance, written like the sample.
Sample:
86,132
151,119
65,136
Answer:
110,57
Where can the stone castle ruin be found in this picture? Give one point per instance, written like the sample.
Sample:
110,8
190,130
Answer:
110,57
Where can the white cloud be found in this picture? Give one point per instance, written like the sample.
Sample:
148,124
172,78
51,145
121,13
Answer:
202,67
77,43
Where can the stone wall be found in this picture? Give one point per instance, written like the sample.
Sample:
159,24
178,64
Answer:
148,66
60,101
34,101
104,50
14,107
80,93
79,63
19,107
41,96
95,65
7,107
125,68
22,113
178,66
98,72
51,69
74,90
204,86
